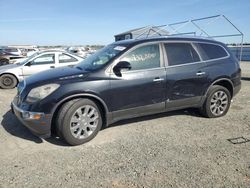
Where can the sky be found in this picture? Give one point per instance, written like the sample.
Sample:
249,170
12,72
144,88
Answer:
81,22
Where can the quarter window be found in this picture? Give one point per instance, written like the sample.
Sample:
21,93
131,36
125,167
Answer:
181,53
211,51
44,59
145,57
64,58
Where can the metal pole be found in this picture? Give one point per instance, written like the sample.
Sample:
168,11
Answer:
213,20
200,28
242,35
233,35
232,24
143,32
205,18
241,48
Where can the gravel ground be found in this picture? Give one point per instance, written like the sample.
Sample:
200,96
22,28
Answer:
175,149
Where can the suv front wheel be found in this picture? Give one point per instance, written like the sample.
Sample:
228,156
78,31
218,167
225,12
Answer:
217,102
79,121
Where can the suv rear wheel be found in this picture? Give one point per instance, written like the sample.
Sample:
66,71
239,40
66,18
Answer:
217,102
79,121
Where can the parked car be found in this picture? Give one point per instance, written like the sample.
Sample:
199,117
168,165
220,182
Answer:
8,53
11,75
13,51
29,51
80,51
4,58
128,79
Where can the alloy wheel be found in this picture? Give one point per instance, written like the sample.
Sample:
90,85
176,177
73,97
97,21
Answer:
219,103
84,121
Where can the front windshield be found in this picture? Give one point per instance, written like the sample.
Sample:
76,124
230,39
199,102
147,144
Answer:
101,57
29,58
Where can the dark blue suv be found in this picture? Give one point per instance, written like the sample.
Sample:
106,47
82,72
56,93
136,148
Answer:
128,79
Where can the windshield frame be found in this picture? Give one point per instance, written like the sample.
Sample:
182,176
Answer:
25,61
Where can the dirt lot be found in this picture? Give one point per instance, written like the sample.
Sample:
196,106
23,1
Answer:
177,149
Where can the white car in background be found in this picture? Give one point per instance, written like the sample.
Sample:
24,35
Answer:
80,51
11,74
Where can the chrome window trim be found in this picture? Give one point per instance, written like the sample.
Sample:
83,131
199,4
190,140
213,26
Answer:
141,70
163,54
198,62
162,66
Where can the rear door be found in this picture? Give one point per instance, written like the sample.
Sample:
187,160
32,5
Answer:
65,59
141,90
41,63
186,76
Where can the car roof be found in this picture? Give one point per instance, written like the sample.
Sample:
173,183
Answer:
52,50
166,38
63,51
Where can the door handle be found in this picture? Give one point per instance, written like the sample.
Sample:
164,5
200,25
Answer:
52,66
200,73
158,79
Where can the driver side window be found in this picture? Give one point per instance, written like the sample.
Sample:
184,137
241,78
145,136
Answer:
145,57
44,59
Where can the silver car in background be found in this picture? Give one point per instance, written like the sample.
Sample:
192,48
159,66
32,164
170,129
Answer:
11,74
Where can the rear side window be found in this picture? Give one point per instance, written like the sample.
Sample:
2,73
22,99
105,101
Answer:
145,57
64,58
181,53
211,51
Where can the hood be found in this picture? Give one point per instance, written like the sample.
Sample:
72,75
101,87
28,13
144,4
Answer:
9,66
55,75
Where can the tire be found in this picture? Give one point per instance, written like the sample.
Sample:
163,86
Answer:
78,121
8,81
217,102
59,118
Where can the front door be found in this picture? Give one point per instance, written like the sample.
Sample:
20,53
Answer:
141,90
41,63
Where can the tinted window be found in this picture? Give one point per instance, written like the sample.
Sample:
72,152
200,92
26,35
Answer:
64,58
211,51
44,59
181,53
144,57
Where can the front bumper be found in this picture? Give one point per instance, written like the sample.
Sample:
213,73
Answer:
38,123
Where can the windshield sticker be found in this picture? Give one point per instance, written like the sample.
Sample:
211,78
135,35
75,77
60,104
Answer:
120,48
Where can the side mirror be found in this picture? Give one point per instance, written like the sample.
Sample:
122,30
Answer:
122,65
28,64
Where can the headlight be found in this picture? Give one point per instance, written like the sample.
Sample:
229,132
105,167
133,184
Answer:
41,92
